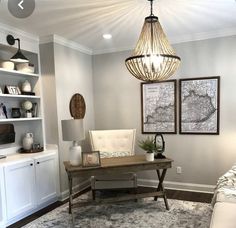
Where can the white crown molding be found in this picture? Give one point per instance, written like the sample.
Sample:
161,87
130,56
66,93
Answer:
180,39
179,186
203,36
112,50
65,42
16,31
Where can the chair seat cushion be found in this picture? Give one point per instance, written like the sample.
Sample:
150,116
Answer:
112,154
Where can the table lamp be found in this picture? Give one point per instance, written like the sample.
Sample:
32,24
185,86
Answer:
73,130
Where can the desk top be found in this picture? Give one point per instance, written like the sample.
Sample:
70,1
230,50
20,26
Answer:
123,164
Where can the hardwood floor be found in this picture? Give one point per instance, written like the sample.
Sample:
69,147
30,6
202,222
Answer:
171,194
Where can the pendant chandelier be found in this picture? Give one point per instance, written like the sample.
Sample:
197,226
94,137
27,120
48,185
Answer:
153,58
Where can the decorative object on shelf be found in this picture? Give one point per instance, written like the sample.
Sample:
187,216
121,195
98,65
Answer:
28,141
73,130
7,133
35,110
3,111
77,106
160,146
26,86
25,67
0,90
36,146
153,58
8,65
15,113
91,159
27,106
159,107
199,105
18,57
13,90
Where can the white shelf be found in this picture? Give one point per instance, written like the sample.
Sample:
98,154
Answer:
17,73
19,119
19,96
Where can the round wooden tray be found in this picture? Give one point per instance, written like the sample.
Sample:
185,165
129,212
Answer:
77,106
22,150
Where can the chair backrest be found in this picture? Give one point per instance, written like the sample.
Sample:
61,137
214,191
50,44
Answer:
113,143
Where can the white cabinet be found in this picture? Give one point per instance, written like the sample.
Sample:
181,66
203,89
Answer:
20,188
29,182
46,183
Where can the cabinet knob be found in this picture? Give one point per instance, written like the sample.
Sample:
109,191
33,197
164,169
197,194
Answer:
31,164
38,162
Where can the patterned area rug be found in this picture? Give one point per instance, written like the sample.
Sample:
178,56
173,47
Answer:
146,213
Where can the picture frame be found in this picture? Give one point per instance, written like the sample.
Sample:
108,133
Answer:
13,90
158,104
199,100
91,159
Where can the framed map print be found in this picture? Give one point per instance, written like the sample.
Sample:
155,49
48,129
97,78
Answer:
199,105
159,107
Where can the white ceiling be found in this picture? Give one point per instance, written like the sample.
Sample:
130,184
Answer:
84,21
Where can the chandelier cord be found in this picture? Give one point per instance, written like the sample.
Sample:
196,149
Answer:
151,3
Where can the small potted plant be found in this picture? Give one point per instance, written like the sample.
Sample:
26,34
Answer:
149,146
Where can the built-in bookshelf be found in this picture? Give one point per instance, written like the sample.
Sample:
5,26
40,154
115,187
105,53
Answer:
16,78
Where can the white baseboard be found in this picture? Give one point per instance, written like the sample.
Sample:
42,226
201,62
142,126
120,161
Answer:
179,186
64,195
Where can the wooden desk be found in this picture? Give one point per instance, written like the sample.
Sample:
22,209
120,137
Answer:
120,165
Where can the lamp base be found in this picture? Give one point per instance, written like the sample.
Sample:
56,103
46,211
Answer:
75,155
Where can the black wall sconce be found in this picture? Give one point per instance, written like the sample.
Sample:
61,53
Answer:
18,57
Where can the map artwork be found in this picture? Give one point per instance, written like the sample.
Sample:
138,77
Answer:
199,105
159,107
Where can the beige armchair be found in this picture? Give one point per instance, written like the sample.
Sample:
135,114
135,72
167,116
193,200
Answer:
113,143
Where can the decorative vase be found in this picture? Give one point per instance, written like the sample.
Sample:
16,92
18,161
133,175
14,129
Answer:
149,156
28,141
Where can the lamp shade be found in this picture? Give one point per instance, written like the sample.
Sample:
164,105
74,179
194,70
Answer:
73,130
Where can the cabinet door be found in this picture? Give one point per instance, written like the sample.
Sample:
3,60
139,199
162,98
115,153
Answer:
46,179
20,186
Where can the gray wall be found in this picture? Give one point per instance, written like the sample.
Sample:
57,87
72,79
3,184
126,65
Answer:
65,71
203,158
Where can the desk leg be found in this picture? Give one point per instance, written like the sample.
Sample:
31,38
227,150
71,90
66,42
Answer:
160,188
70,193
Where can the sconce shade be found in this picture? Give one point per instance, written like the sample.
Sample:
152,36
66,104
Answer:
73,130
153,58
18,57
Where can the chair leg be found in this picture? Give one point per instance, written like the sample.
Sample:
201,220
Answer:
135,192
93,194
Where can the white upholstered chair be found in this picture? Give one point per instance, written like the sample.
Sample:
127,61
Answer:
113,143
